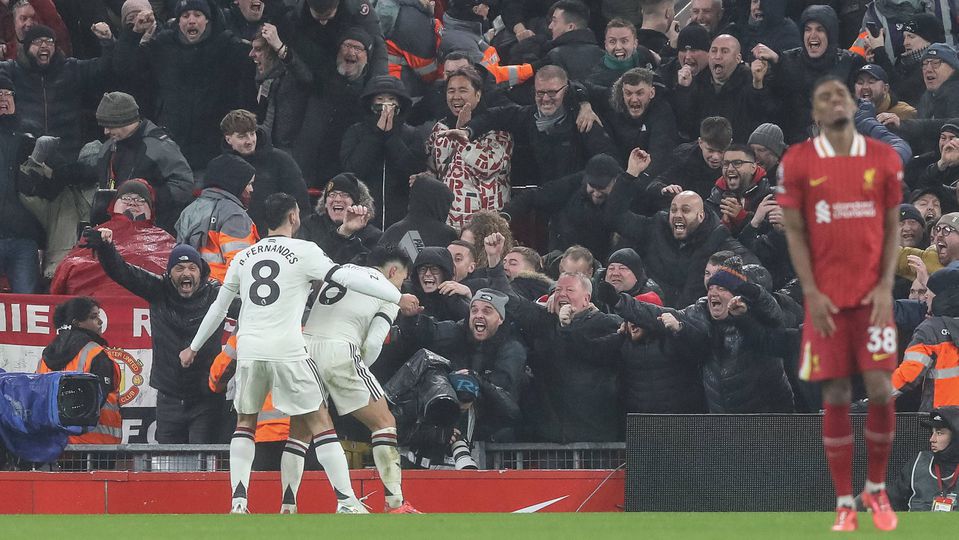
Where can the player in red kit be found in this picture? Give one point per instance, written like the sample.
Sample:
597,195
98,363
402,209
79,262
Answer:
831,184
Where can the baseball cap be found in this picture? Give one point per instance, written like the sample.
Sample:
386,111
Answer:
875,72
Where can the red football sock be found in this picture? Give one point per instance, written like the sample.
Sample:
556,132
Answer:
837,442
879,433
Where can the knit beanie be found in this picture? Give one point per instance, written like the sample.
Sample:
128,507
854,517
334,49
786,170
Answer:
601,170
6,83
183,253
356,34
694,37
38,31
229,172
494,298
117,109
927,26
346,182
769,136
908,211
133,6
630,259
729,276
136,186
186,5
943,52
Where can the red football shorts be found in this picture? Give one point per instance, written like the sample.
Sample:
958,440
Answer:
854,347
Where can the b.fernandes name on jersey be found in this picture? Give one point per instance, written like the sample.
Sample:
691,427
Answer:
281,250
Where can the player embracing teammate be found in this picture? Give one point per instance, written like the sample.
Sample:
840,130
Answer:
831,184
273,279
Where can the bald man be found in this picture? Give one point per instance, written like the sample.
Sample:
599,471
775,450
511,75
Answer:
728,88
675,244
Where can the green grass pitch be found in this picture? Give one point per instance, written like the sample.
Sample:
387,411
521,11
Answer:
739,526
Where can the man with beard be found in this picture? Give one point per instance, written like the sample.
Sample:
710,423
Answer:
928,482
199,69
929,203
836,182
767,143
637,118
187,412
740,190
19,16
52,88
216,223
872,83
912,227
138,148
275,169
483,346
675,244
329,114
728,88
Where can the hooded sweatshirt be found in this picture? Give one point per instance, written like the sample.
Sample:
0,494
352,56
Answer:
425,221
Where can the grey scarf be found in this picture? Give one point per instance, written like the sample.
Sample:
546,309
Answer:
547,124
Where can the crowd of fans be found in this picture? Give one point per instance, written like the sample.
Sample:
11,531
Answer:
605,174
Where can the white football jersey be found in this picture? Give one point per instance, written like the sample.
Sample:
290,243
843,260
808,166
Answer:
273,279
345,315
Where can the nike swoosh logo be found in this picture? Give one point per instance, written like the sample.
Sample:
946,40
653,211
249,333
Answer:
876,357
816,181
538,507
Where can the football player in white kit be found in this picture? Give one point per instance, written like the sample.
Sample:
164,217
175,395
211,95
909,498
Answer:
344,335
273,278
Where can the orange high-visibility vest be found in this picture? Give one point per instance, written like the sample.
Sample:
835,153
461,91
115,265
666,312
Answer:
109,427
938,364
513,75
271,424
427,69
220,248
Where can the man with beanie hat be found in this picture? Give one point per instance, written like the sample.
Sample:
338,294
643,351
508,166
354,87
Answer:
138,148
186,412
768,144
216,223
483,347
692,54
627,274
196,68
276,171
901,56
133,233
54,90
912,228
929,481
16,18
341,230
940,65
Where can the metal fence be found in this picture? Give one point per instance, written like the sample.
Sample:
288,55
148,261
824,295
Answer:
216,457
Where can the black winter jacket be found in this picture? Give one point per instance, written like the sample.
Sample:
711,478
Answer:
149,153
575,51
276,172
575,371
573,218
196,84
677,266
174,321
52,100
540,157
941,104
321,230
741,370
385,160
737,100
687,168
15,220
499,364
425,221
655,377
655,132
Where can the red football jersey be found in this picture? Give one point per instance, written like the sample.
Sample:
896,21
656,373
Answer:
843,200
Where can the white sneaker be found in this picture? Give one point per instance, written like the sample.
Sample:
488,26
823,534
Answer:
239,507
287,508
351,507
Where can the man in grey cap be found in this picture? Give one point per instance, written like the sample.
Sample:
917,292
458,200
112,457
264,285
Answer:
768,144
483,347
138,148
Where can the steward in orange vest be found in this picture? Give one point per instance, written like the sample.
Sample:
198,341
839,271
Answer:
79,346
